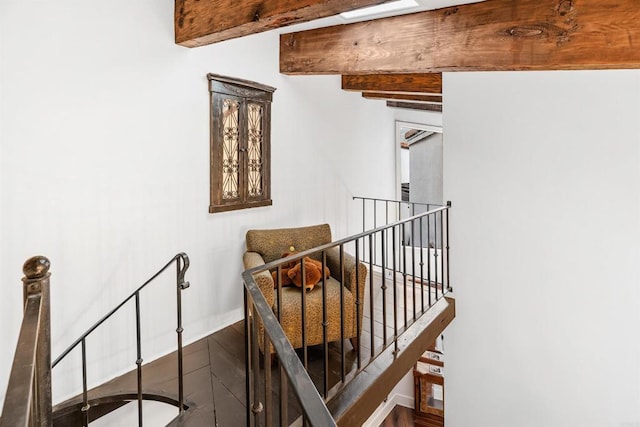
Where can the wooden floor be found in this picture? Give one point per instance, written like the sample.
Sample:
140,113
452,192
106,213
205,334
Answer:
214,370
400,417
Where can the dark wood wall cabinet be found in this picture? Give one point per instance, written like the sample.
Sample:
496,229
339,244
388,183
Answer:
240,143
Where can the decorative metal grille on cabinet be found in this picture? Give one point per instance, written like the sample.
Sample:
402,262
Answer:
240,143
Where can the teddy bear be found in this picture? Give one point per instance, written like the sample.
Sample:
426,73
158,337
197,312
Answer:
284,270
312,271
291,272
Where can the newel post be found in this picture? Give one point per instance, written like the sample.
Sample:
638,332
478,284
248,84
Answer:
36,281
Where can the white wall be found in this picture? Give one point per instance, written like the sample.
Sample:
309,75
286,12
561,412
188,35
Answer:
104,167
544,173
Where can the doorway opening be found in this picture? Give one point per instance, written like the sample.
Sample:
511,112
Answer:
419,163
419,174
419,183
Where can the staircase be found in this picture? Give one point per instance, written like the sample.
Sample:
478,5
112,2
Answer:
28,401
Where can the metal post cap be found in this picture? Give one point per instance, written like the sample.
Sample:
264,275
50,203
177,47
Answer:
36,267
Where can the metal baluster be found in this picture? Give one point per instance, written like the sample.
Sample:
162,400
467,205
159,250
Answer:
448,263
180,286
400,237
429,256
283,378
139,359
372,241
395,292
371,295
442,250
384,287
303,293
85,400
386,212
279,292
364,217
413,264
247,357
257,406
435,253
358,325
404,278
342,325
421,266
284,398
268,404
325,325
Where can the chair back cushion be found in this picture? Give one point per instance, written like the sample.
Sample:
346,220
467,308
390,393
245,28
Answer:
271,244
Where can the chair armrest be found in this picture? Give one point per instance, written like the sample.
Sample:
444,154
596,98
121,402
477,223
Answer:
263,279
356,287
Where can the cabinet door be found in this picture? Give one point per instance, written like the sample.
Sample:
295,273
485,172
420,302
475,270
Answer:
226,150
257,151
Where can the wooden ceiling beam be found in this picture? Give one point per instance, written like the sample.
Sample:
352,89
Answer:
202,22
426,99
488,36
415,106
394,83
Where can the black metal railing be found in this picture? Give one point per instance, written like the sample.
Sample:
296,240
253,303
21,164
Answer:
377,212
28,398
182,264
393,298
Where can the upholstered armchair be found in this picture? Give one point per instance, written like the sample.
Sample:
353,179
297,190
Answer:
264,246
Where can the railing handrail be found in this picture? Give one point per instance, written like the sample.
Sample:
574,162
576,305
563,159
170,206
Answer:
409,202
182,284
28,398
300,255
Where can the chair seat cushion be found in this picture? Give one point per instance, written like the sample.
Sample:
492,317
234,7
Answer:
291,318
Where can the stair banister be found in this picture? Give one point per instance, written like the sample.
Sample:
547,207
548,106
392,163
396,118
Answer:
28,398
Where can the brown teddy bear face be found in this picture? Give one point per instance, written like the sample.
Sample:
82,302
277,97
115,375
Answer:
318,265
284,269
291,272
312,271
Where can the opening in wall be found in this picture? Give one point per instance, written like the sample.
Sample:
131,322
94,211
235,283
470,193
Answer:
419,172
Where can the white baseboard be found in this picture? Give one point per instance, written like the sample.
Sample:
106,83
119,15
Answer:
387,406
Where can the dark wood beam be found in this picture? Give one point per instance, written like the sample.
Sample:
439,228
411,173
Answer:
202,22
427,99
487,36
394,83
415,106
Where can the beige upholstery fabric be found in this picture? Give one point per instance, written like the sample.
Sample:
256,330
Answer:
264,246
271,244
291,319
